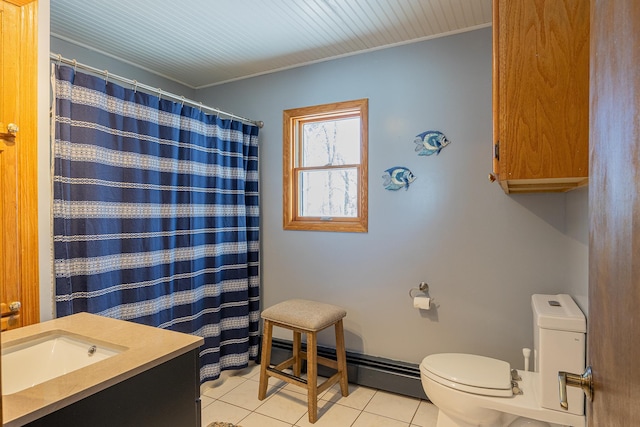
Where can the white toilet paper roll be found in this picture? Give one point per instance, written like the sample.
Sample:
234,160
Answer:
422,302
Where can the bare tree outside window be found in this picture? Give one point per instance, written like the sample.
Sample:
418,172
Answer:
330,192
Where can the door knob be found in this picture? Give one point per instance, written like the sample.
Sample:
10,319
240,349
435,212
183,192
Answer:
12,128
584,381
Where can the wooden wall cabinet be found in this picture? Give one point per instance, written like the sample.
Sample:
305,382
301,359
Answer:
540,95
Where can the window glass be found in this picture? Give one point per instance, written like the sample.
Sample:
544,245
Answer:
325,167
329,193
331,142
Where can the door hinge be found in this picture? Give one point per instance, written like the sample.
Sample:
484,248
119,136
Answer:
496,150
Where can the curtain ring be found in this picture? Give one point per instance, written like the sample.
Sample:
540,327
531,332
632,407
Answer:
182,101
59,59
75,65
200,107
106,77
135,86
159,94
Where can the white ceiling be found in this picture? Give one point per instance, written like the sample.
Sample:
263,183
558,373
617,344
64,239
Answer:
201,43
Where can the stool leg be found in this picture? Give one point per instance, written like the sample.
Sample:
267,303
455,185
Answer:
297,361
342,359
312,376
265,359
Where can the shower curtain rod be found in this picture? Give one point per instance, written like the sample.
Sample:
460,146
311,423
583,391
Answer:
161,93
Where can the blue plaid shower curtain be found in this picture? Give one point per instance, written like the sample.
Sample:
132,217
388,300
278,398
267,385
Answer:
156,216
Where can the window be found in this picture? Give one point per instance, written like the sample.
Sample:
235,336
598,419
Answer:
325,167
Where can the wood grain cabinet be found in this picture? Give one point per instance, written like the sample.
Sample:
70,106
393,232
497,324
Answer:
540,95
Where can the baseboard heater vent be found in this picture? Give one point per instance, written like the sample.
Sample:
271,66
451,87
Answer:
369,371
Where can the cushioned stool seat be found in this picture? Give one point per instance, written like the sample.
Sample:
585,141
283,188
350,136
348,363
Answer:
308,317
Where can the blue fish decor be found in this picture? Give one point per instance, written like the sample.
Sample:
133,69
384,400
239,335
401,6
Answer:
429,142
397,177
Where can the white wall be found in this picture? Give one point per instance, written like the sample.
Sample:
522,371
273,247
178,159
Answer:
577,230
482,252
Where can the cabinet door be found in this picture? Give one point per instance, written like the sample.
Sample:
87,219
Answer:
541,93
167,395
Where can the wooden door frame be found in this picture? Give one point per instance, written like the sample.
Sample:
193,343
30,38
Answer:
27,161
27,153
614,213
27,164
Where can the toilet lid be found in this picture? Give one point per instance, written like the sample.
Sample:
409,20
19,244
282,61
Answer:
469,372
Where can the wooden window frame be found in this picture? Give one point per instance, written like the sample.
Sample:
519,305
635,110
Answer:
292,121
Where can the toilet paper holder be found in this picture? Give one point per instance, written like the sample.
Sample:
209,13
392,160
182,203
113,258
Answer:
422,287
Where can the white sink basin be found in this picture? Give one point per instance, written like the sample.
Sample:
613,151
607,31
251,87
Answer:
46,357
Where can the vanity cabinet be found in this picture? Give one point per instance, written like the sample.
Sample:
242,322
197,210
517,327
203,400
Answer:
540,95
167,395
153,379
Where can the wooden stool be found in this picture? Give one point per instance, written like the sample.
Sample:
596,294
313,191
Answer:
309,317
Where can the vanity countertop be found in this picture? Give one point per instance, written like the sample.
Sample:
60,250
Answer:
146,347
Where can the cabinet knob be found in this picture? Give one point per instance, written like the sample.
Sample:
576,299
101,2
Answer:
492,177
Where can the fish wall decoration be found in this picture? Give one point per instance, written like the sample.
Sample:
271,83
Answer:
398,177
429,142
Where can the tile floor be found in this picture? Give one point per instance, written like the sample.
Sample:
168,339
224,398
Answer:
234,398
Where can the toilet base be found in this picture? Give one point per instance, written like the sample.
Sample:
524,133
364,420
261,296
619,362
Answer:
528,422
470,410
445,421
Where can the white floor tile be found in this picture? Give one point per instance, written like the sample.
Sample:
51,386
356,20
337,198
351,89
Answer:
358,398
393,406
426,415
234,399
222,411
246,395
330,415
252,372
222,386
284,405
372,420
206,401
258,420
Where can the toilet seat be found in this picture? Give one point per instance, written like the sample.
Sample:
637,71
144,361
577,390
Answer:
469,373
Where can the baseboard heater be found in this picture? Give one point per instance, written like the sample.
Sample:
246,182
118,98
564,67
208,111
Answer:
369,371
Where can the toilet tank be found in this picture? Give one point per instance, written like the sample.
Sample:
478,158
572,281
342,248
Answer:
559,329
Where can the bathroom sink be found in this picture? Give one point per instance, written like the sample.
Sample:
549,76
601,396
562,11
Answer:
48,356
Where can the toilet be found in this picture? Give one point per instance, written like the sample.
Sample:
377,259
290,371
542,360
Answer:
472,390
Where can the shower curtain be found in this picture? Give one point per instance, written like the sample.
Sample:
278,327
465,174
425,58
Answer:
156,216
